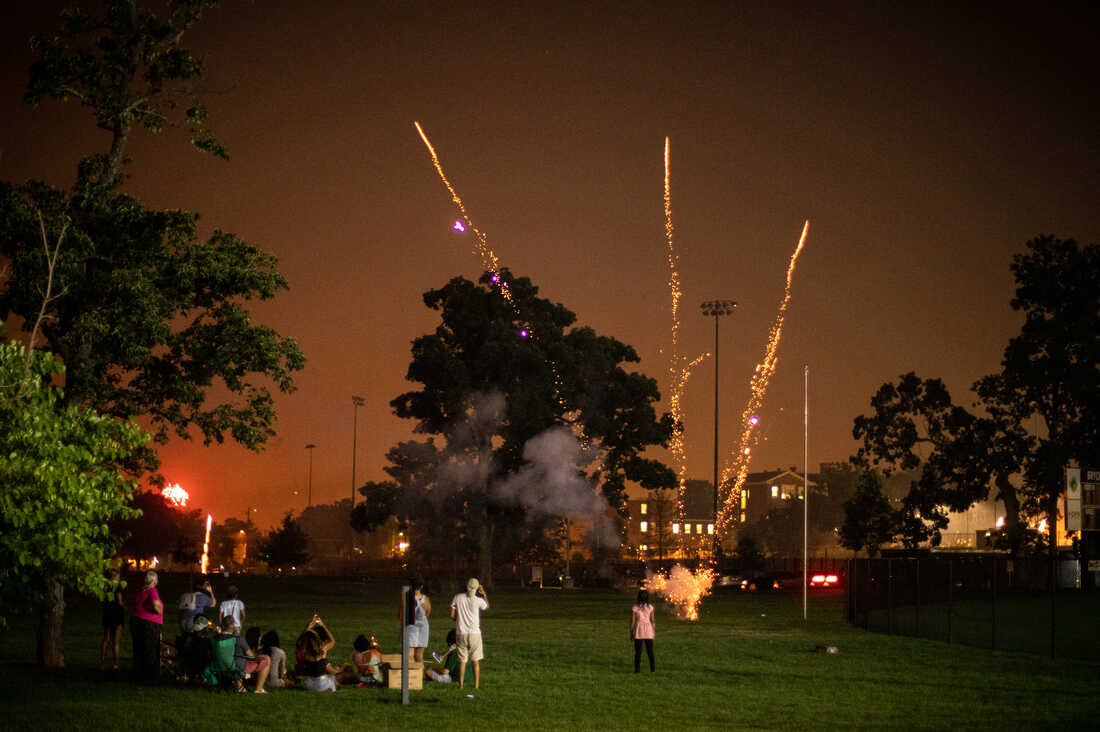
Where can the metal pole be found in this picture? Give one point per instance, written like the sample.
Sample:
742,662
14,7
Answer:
715,309
405,644
714,539
309,499
805,489
356,402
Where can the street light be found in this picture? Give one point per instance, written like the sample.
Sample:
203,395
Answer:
356,402
309,500
716,309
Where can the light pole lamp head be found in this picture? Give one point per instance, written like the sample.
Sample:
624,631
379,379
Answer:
718,307
310,446
358,401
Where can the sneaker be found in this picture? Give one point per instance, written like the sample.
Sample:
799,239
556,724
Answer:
437,657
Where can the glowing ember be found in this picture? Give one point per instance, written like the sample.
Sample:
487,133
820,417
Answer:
754,420
682,588
206,542
523,333
459,226
176,495
731,501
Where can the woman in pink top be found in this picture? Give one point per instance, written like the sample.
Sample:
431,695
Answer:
145,625
642,629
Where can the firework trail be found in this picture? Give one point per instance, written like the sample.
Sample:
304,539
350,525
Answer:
679,368
682,588
730,502
489,260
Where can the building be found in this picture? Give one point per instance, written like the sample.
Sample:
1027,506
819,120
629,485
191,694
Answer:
771,489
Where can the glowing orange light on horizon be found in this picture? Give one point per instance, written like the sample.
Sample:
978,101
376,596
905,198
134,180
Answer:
176,495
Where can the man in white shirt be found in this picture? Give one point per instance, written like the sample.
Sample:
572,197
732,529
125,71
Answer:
466,612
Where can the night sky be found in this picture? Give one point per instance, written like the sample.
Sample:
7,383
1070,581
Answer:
925,145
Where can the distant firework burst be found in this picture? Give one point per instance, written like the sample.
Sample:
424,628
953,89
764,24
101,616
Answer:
739,467
175,495
682,588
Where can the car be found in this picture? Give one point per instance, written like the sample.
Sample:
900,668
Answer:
824,579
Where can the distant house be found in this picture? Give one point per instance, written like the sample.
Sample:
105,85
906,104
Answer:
771,489
657,529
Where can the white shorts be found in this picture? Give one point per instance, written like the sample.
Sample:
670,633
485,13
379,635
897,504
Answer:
320,683
469,647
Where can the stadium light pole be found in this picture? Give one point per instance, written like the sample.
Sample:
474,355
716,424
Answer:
356,402
309,499
716,309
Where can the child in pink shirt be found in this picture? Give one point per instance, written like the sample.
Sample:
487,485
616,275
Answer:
642,629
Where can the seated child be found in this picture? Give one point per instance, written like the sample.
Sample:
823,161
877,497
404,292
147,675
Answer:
449,660
368,661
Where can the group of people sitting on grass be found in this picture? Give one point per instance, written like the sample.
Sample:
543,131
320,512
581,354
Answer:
211,649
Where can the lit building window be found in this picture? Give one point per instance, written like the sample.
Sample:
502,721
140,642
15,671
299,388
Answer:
710,528
643,509
687,528
645,547
775,491
644,526
744,498
742,517
676,528
698,528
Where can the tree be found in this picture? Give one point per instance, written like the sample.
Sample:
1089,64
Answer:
662,511
156,531
869,519
508,385
148,320
61,482
1041,411
286,546
915,425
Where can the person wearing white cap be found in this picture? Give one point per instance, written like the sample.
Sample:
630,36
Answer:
465,610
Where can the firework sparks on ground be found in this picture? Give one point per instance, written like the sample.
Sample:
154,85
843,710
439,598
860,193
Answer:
679,368
682,588
739,466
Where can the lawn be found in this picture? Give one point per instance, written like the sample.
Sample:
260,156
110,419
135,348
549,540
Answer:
562,660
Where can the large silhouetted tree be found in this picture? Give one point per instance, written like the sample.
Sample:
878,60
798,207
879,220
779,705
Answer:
501,370
148,318
1038,413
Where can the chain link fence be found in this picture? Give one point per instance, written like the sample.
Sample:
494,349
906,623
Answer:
1032,605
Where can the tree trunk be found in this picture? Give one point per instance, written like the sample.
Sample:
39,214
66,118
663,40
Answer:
51,642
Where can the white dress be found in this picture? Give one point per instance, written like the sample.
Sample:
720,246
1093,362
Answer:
418,631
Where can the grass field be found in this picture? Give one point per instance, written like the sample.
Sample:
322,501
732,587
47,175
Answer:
562,660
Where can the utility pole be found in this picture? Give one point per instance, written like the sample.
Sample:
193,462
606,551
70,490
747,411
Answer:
716,309
356,402
309,500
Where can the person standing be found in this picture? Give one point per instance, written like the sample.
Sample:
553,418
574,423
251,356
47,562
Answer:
419,629
466,611
145,626
642,629
114,617
203,600
232,609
